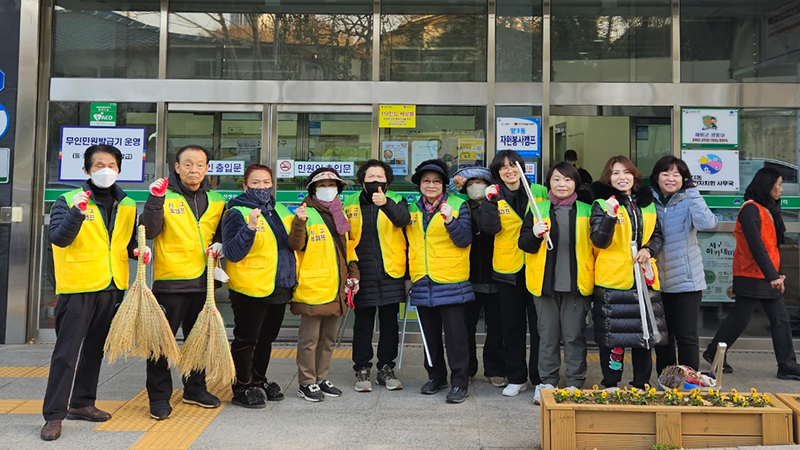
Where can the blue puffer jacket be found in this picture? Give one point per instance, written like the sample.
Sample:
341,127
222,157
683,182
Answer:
425,292
680,263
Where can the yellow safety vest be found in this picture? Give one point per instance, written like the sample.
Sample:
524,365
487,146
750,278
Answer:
535,262
181,246
616,261
318,268
90,262
391,239
255,274
431,252
507,257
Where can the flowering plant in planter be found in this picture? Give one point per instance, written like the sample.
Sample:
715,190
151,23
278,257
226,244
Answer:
649,396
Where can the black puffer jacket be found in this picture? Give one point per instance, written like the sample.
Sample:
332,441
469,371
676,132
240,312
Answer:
480,254
377,288
616,314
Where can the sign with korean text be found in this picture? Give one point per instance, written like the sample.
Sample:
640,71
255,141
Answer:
398,116
717,253
710,128
225,167
130,141
470,151
395,154
102,114
304,168
520,134
285,168
713,170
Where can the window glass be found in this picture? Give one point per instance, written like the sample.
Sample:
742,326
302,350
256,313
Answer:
257,40
749,41
596,40
518,34
456,134
114,39
433,41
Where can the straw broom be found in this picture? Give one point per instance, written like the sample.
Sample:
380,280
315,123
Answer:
140,327
206,347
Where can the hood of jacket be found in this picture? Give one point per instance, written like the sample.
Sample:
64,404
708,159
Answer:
643,197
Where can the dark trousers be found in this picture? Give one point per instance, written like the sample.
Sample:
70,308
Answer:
611,363
256,326
449,318
362,335
681,311
82,323
494,358
737,321
181,311
517,310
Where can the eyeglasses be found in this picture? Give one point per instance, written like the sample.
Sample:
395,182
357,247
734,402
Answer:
434,181
508,169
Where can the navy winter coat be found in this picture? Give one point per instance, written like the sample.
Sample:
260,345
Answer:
425,292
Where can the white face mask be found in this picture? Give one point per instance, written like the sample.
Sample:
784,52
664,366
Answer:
327,194
476,191
104,178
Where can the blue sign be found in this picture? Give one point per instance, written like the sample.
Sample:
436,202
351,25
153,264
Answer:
315,129
5,121
2,80
520,134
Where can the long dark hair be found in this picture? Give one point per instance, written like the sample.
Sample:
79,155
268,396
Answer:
500,159
760,189
605,177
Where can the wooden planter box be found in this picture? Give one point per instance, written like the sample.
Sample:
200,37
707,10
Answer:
569,426
794,405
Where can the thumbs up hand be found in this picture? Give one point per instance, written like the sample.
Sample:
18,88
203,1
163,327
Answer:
379,198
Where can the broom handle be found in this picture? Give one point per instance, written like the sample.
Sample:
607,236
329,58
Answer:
210,280
140,266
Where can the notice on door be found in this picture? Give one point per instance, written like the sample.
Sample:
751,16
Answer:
398,116
710,128
713,170
130,141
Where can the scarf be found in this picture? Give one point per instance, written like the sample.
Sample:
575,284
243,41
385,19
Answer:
335,208
555,201
774,208
431,207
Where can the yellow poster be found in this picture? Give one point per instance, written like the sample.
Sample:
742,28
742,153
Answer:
398,116
470,151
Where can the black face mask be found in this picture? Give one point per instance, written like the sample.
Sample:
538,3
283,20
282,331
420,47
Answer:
372,187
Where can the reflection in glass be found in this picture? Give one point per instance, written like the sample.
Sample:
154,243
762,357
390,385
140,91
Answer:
253,41
116,39
519,40
437,41
595,40
750,41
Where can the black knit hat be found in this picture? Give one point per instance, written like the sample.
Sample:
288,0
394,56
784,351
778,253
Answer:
431,165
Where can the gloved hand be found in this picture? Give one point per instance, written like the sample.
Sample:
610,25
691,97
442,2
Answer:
540,228
447,212
216,250
492,191
612,206
159,187
148,254
81,201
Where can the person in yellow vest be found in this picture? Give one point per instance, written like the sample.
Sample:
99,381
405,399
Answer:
439,238
319,236
623,212
182,216
261,269
93,233
501,216
562,279
377,243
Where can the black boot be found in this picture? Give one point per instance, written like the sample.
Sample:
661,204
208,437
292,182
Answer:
247,395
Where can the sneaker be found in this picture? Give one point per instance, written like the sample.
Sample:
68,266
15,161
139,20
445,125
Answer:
513,389
273,391
709,357
789,373
311,392
328,389
204,399
252,397
433,386
160,410
498,381
386,378
537,394
457,395
363,384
